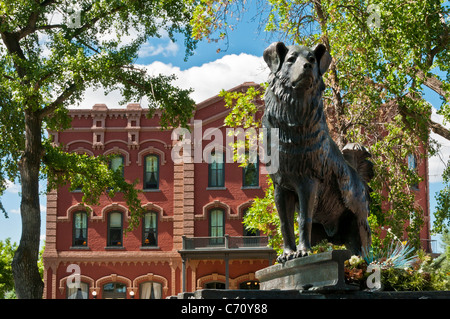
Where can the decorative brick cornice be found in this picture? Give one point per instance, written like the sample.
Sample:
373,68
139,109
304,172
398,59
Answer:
76,208
114,207
82,150
159,210
152,277
242,207
83,278
113,257
151,150
216,204
117,150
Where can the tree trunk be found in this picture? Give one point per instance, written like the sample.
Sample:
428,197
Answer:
27,280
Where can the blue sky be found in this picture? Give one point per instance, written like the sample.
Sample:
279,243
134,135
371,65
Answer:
207,72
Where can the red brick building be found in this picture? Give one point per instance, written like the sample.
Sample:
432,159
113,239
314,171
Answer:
192,235
187,204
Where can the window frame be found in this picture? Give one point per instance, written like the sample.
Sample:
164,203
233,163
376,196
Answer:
256,170
152,292
109,243
216,171
122,167
74,228
246,232
155,214
250,285
157,172
114,294
216,241
84,286
214,285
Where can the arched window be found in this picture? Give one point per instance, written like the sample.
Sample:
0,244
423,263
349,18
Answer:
116,163
250,176
150,290
81,292
151,172
215,285
249,285
114,290
249,233
115,229
150,229
79,234
217,226
216,170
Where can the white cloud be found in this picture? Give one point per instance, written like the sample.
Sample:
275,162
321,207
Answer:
12,188
167,50
14,211
207,80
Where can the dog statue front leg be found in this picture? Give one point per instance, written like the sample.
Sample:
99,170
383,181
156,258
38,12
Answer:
285,202
307,195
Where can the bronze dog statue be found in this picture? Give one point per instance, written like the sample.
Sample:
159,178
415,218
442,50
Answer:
327,187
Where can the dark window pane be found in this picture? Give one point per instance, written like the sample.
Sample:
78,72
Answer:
216,226
151,173
115,229
150,233
116,163
80,229
216,174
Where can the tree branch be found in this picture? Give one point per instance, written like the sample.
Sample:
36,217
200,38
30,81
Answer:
433,83
439,130
434,126
32,20
50,108
90,23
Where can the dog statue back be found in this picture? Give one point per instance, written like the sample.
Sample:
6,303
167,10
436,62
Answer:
327,187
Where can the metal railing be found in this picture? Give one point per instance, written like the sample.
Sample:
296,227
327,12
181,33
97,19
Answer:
227,242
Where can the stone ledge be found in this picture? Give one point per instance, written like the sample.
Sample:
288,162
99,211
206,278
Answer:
320,271
296,294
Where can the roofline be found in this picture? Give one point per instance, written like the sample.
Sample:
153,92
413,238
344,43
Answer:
136,107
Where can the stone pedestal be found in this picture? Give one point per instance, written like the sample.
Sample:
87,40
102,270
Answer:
324,271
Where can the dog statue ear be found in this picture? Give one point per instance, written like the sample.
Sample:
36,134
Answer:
274,56
324,58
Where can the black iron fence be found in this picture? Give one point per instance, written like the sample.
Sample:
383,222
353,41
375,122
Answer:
228,242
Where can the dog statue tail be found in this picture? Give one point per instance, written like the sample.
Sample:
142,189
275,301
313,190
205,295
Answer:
357,156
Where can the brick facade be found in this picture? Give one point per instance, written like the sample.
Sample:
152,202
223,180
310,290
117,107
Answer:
182,203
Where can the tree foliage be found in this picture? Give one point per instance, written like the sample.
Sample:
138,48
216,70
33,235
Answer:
7,250
50,53
384,54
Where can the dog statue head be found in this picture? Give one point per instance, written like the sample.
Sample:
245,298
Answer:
299,67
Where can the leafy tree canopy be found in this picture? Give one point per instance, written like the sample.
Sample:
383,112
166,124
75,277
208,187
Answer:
7,250
384,54
50,52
